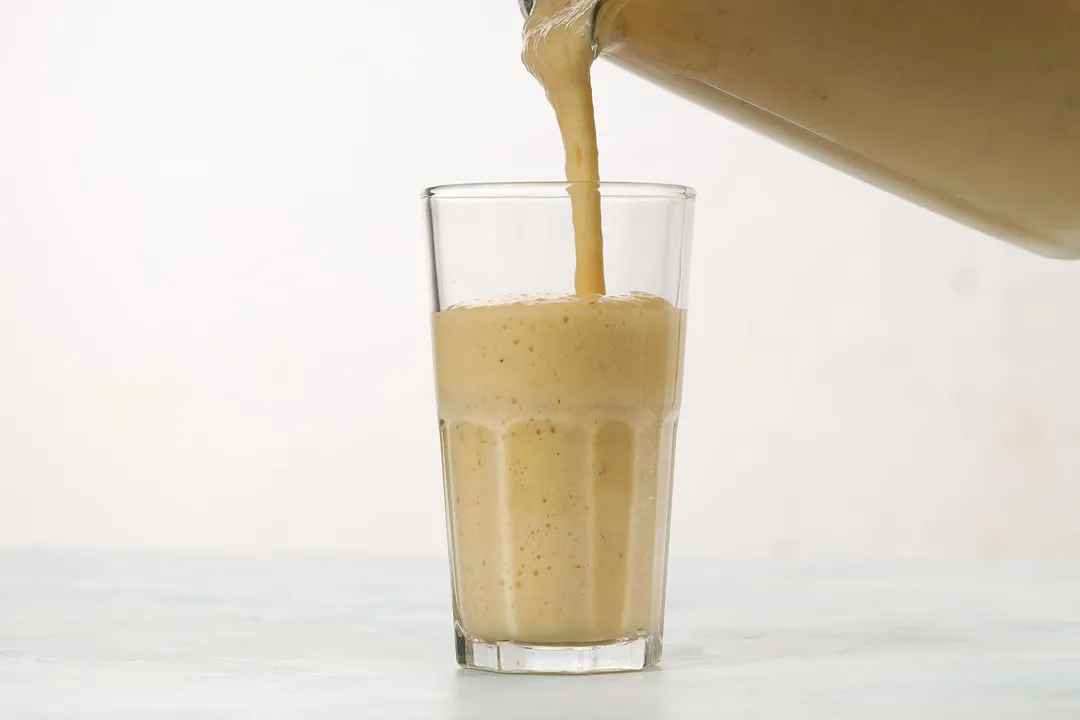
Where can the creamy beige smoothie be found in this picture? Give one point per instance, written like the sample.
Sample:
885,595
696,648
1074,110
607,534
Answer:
558,420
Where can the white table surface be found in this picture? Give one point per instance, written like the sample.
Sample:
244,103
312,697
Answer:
157,636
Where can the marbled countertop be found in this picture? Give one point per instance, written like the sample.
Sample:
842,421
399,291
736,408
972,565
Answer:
343,636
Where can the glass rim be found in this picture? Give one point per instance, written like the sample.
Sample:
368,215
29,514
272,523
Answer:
556,189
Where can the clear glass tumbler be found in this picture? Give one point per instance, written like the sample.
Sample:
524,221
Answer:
557,416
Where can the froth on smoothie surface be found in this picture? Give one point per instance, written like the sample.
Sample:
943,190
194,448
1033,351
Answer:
517,303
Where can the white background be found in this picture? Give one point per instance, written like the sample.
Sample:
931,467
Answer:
213,298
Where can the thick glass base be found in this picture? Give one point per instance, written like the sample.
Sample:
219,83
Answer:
507,657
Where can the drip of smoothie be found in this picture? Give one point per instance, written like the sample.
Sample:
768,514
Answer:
558,50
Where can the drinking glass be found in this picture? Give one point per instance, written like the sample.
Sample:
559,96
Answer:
557,418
